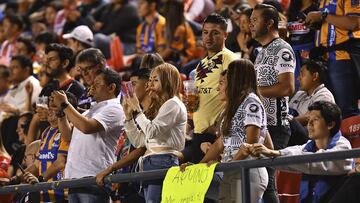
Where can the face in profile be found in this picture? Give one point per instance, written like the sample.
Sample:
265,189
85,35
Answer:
140,86
222,87
258,27
154,84
317,126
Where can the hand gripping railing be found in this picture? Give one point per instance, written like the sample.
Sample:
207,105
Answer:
244,166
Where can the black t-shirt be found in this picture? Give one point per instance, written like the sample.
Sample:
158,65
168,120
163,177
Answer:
123,22
299,33
71,85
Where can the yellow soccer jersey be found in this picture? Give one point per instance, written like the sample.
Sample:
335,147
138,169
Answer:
207,78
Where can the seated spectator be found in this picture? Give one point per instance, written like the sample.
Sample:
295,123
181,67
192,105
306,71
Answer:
79,39
13,26
246,43
198,10
15,102
180,37
312,89
94,136
26,47
151,60
318,177
4,85
51,158
150,34
120,17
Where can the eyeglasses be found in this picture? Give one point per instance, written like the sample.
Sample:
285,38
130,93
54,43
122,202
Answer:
86,69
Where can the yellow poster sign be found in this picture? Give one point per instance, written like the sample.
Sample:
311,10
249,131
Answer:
188,186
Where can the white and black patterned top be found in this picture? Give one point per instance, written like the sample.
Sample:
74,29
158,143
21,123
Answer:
273,60
250,112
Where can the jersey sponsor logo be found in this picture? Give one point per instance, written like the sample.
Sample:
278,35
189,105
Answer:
286,56
253,108
206,90
286,65
204,69
48,155
297,28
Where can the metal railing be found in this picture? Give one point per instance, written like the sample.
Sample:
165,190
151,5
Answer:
243,165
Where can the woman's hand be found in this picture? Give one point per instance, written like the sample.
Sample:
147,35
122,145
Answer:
133,102
127,110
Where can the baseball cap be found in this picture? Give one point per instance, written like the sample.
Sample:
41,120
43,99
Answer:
81,33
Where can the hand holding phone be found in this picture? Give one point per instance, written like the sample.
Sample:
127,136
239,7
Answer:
129,88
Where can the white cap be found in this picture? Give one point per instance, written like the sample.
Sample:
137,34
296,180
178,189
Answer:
81,33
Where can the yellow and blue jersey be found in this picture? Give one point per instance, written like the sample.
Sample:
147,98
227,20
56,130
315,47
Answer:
51,146
330,35
150,37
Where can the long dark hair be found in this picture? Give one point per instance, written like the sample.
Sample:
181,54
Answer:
241,81
174,15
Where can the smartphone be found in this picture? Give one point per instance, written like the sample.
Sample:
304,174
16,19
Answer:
127,88
130,88
21,168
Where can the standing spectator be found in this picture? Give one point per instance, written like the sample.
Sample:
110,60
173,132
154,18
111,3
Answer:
319,179
301,37
12,25
150,34
59,59
243,121
275,65
162,126
88,63
207,78
339,23
94,136
120,17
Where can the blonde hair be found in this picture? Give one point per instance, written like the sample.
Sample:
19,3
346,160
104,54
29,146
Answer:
170,82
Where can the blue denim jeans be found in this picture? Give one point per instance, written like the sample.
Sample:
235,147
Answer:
152,189
87,198
91,194
343,83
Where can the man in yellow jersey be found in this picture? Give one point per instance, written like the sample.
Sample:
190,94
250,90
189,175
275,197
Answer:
207,78
339,19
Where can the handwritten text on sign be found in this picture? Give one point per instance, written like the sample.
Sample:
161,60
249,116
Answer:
188,186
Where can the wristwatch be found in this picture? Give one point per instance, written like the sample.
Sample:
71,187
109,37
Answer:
64,105
324,14
41,178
